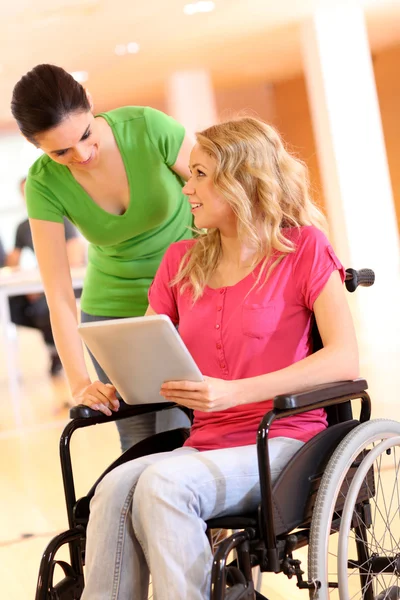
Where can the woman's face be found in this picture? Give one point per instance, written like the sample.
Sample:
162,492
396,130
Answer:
74,142
209,207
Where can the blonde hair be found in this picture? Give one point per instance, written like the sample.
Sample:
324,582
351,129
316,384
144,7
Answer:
267,189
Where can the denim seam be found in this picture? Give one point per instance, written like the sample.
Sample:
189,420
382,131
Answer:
191,501
120,541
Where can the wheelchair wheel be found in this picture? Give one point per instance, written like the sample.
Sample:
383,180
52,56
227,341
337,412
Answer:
363,561
382,558
218,536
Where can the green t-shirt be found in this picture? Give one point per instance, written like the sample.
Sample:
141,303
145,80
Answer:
125,250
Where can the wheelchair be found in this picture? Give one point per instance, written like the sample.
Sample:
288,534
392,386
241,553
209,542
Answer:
338,496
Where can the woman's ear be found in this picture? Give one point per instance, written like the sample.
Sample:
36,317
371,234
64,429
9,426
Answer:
90,99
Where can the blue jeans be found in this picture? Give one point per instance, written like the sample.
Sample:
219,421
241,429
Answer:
149,515
133,430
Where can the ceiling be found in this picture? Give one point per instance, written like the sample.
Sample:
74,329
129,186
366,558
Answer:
241,40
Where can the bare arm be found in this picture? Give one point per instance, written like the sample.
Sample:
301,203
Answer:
77,252
51,252
336,361
181,165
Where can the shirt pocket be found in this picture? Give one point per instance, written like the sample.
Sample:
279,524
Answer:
258,321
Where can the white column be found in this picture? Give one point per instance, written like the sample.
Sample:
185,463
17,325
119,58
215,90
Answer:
190,99
355,175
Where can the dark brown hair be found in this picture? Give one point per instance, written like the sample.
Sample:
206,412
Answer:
44,97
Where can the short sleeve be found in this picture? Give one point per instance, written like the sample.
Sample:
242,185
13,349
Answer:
165,134
314,264
162,297
70,230
41,202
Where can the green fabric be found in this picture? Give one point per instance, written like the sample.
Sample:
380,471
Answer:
125,250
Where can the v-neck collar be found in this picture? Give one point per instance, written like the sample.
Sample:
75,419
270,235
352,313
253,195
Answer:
127,172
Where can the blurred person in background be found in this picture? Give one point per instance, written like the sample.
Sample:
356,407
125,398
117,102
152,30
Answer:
31,310
118,177
2,255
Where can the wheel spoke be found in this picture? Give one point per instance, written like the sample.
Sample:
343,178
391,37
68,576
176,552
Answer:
368,530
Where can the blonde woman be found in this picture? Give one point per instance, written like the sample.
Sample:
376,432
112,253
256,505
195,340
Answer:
244,295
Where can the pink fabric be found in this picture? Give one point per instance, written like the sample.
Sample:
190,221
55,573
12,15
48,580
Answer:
234,334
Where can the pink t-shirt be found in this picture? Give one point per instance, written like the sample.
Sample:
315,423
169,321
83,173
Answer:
234,334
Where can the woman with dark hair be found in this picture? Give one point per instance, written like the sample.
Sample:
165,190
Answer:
118,177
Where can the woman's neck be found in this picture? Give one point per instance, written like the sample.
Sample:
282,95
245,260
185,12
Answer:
236,254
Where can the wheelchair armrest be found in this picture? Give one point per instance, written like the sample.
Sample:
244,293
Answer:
80,411
320,393
125,410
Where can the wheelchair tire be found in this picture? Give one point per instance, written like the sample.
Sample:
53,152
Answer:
323,551
375,567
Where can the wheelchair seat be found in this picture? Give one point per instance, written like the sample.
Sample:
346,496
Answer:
327,498
303,474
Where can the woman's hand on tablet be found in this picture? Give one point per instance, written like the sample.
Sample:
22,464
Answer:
98,396
208,396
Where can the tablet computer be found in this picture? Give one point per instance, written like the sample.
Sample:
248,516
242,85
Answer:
139,354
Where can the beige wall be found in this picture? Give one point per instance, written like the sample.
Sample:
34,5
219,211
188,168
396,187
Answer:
256,100
285,105
387,75
293,120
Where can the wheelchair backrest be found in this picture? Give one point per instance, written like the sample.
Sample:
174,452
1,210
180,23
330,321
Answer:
365,278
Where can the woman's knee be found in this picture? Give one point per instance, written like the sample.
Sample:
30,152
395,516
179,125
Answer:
108,492
159,487
115,490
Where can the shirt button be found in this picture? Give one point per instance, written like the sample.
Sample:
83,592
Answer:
217,326
219,307
219,346
222,366
222,291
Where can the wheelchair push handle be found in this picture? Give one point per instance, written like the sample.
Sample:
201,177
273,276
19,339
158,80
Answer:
363,277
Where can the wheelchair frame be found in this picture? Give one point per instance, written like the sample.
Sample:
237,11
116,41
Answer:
260,542
273,553
335,397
